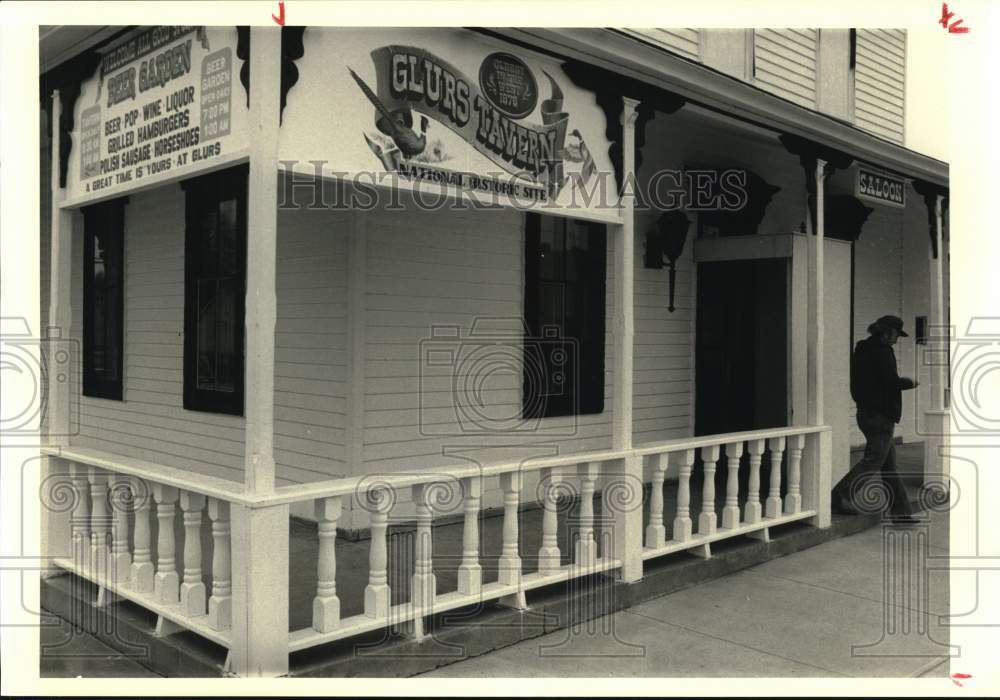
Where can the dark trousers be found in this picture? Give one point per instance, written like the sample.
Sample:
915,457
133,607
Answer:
880,456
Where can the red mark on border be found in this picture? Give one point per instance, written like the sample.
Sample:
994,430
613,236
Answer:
956,678
952,28
280,19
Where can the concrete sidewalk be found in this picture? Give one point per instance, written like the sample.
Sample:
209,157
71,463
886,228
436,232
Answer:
805,614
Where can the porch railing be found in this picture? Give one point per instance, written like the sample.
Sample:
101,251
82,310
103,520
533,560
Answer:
115,505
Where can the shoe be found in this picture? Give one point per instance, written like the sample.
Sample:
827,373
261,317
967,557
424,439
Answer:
904,520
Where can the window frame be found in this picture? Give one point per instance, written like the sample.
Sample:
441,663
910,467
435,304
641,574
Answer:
110,214
590,398
201,193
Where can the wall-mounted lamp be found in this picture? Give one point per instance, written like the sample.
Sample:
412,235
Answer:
666,241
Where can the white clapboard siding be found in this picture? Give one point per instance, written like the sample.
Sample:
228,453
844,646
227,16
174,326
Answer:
785,63
310,369
681,41
446,268
879,82
310,350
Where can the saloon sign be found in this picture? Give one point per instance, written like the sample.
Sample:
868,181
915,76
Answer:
445,109
162,104
881,188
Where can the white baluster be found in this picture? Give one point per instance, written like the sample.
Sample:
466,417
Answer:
793,499
165,582
731,511
707,520
220,604
510,561
121,505
549,557
99,523
682,522
585,553
656,533
752,510
193,588
80,519
377,590
772,506
141,573
326,604
470,572
424,583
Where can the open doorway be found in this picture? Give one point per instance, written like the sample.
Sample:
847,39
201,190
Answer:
741,348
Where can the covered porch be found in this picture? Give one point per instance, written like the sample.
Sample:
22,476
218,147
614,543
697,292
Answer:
262,556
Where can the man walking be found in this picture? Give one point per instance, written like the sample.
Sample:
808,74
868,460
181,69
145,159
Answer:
876,388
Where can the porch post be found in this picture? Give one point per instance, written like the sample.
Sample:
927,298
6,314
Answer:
260,535
816,460
628,512
55,525
60,309
937,417
816,330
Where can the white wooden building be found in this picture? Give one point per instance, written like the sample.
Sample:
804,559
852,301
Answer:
376,366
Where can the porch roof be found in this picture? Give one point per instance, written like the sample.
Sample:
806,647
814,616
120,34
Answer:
705,86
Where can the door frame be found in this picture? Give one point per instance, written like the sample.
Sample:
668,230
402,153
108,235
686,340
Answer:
793,246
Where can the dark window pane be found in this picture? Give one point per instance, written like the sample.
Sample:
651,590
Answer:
207,312
564,308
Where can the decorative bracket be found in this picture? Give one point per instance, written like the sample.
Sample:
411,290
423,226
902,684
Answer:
930,193
292,49
609,89
809,152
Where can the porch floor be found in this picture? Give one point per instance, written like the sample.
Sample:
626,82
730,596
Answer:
352,558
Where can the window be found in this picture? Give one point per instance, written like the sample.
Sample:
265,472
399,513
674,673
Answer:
214,291
564,306
103,305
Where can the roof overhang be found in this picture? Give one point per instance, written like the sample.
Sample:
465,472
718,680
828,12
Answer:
719,92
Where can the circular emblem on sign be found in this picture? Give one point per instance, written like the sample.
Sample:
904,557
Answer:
508,83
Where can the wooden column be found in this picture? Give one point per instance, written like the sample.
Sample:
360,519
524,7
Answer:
100,522
772,506
220,604
731,511
423,585
752,509
549,558
326,604
656,533
260,535
470,571
121,506
166,585
141,574
816,319
377,590
80,519
585,551
682,522
627,526
262,224
510,560
707,520
260,590
193,593
60,291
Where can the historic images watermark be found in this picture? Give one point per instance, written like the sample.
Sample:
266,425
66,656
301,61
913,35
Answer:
317,185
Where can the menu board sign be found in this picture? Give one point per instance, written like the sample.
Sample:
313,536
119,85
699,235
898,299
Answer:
165,103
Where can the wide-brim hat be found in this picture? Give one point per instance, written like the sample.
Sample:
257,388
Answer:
893,322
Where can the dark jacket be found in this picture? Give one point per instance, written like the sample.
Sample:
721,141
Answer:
875,382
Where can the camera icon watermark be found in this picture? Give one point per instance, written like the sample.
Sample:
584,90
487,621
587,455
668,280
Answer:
27,363
975,367
498,379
